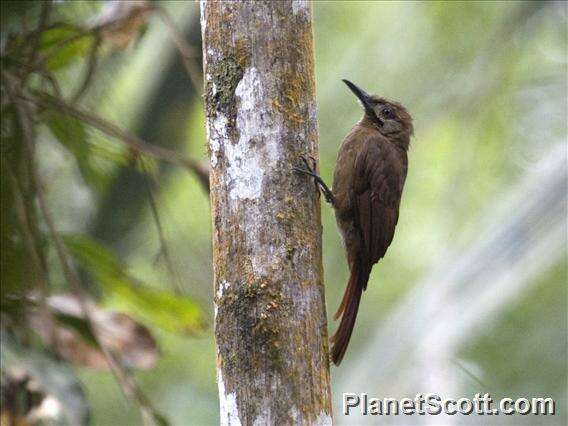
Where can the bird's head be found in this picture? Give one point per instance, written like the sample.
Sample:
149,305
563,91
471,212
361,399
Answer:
390,118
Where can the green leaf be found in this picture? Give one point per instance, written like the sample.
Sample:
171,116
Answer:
64,44
97,155
148,165
73,134
170,312
55,379
179,314
108,151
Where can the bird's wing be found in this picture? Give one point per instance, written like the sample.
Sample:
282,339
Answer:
380,174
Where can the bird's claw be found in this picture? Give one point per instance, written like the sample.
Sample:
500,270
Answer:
310,170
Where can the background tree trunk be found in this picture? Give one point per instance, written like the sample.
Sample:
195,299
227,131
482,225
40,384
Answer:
270,327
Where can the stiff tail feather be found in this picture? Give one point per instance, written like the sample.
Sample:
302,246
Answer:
348,311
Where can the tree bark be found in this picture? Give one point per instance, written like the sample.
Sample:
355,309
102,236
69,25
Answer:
270,326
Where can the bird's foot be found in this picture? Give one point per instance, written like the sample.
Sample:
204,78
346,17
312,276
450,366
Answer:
310,170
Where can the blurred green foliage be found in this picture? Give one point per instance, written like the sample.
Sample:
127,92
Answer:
153,305
486,85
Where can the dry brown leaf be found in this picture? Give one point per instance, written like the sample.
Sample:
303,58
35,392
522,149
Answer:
130,341
121,21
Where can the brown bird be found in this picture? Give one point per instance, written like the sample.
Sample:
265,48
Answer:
367,186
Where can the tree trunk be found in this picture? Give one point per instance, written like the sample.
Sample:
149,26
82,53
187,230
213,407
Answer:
270,325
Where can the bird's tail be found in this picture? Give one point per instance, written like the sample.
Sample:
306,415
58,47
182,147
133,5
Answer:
348,311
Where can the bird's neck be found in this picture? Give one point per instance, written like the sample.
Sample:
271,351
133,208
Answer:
370,122
400,139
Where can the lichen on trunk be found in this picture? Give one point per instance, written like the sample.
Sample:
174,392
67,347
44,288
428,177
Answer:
270,327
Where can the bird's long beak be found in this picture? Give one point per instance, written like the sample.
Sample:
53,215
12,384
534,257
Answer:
363,97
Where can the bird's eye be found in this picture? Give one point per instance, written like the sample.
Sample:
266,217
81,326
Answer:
387,113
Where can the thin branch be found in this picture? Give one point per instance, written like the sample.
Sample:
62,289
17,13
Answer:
43,73
161,235
26,225
50,78
10,84
186,51
89,71
136,144
201,170
26,125
36,37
